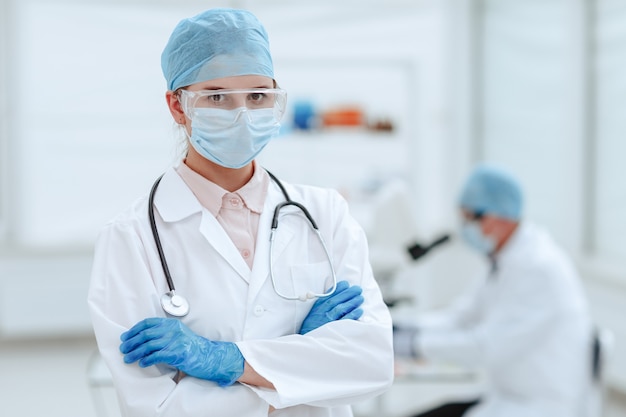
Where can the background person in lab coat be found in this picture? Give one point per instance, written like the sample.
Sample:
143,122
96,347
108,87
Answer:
526,325
243,349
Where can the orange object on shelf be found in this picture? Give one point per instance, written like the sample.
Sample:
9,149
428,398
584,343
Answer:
347,116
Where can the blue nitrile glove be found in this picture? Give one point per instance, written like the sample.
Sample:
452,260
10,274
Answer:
170,341
343,304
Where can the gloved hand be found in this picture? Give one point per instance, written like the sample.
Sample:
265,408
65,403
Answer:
405,342
170,341
343,304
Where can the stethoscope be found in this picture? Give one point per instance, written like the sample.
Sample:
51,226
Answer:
176,305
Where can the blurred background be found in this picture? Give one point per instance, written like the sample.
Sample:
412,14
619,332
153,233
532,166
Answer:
390,101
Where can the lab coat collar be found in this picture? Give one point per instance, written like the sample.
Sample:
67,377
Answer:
174,200
515,245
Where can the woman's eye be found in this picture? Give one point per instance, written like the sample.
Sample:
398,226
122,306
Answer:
216,98
257,97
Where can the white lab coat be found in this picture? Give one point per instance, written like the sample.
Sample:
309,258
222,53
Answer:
527,326
317,374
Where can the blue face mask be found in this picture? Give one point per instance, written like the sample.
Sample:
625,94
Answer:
232,138
473,236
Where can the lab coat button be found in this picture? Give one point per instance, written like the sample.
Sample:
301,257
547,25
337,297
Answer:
259,310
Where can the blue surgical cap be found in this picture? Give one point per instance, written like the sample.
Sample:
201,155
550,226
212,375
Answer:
214,44
492,190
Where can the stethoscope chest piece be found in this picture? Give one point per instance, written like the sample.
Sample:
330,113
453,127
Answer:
174,304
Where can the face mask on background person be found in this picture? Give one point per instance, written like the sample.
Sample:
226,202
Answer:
232,138
474,237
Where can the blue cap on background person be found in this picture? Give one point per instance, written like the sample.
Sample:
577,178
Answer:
214,44
492,190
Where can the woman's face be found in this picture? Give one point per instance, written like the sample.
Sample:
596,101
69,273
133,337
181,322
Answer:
244,82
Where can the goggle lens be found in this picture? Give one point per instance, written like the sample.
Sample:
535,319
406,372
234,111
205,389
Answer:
252,99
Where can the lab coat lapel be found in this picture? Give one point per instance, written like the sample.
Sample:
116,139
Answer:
260,268
175,201
217,237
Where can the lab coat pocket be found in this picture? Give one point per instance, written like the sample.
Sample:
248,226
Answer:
309,278
313,278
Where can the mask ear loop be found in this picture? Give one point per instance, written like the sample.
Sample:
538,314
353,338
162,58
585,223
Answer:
183,103
181,124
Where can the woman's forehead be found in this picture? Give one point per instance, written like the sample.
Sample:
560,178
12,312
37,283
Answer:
237,82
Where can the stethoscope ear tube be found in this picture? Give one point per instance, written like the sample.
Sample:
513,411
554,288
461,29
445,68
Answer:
292,203
309,295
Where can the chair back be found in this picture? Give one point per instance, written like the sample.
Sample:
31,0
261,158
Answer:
603,345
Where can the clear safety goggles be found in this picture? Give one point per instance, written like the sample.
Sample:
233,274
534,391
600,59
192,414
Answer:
472,215
193,102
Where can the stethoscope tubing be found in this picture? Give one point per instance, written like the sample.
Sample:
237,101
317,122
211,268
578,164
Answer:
157,239
177,305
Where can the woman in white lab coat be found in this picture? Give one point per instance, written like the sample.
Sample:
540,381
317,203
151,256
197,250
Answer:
244,348
527,325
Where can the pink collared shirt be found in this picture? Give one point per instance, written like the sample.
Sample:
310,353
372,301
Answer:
237,212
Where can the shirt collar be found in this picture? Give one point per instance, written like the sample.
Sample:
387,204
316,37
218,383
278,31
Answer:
254,192
210,195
